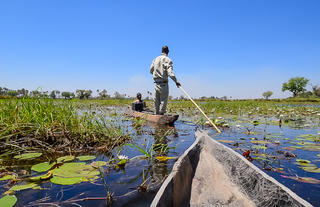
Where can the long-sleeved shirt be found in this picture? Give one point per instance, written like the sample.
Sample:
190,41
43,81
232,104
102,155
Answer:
161,68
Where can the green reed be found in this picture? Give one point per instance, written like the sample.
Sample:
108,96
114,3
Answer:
48,124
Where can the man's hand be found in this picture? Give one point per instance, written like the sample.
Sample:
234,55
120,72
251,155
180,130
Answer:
178,84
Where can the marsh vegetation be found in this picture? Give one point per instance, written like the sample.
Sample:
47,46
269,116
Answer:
86,152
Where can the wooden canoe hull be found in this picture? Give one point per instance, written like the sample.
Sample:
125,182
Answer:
211,174
158,119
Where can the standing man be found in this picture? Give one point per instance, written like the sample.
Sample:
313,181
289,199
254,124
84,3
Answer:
160,69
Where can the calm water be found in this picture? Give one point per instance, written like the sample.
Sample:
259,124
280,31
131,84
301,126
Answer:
123,183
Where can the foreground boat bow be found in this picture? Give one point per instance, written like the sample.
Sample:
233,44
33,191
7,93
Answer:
211,174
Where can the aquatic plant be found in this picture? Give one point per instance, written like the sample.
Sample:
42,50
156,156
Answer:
146,152
54,125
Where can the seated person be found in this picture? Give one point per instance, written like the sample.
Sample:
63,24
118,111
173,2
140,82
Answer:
139,105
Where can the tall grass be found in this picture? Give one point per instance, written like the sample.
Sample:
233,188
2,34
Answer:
45,123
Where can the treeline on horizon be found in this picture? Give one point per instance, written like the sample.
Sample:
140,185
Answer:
295,85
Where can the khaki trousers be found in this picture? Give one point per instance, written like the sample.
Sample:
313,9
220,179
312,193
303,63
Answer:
161,97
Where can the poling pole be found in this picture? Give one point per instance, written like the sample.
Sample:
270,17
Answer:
218,130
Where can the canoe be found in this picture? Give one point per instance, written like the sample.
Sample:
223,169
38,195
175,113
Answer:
158,119
211,174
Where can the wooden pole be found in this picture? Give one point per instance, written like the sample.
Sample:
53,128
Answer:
218,130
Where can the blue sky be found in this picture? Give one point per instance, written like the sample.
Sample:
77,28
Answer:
237,48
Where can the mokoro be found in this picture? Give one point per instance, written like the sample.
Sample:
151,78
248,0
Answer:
158,119
211,174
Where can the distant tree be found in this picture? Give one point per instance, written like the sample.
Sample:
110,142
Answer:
22,92
103,94
306,94
224,98
267,94
35,93
295,85
83,94
87,93
316,90
53,94
44,94
170,97
4,91
12,93
57,93
80,93
117,95
67,95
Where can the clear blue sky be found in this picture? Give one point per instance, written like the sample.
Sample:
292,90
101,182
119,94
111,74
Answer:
238,48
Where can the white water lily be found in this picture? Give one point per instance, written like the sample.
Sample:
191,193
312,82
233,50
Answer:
281,115
318,114
123,157
238,126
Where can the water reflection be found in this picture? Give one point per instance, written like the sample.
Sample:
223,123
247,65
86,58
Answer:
160,169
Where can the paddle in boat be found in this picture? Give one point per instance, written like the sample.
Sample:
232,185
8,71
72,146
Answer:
211,174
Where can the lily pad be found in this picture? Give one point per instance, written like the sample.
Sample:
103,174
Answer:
8,177
259,142
42,167
66,158
305,164
225,141
260,155
311,169
28,155
261,158
46,176
303,161
65,181
86,157
99,163
8,201
23,187
75,169
256,123
299,139
311,137
259,147
122,163
164,158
